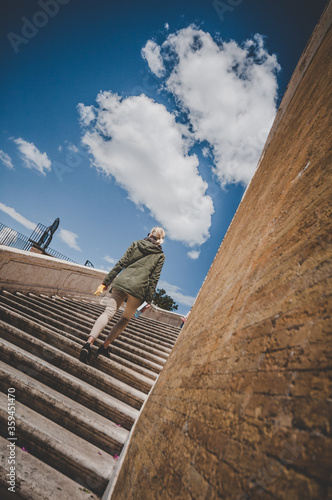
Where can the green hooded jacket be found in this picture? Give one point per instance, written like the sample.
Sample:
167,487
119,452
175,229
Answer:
139,269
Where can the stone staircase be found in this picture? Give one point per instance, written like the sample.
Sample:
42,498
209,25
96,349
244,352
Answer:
71,420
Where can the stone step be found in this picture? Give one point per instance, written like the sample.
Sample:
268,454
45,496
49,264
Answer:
129,341
123,354
62,410
145,341
142,353
62,307
140,334
36,480
51,309
138,366
58,447
68,363
71,345
71,417
134,358
52,317
137,328
153,326
168,333
65,383
81,338
150,328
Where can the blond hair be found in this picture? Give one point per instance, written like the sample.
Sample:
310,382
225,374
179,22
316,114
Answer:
158,234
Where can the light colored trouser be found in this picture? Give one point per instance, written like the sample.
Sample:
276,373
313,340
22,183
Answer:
116,299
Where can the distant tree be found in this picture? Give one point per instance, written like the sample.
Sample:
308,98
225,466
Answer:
164,301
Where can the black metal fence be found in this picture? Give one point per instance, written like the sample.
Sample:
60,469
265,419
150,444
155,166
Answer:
41,236
58,255
14,239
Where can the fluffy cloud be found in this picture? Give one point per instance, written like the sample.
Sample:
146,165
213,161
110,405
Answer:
151,52
140,144
194,254
110,260
87,114
176,294
228,92
18,217
69,238
32,157
6,159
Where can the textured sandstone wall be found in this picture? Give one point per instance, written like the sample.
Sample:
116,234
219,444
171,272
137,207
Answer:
242,407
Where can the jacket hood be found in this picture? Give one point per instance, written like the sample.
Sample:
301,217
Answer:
146,247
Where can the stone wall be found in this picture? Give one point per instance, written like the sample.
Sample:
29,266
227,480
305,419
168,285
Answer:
168,317
31,272
242,408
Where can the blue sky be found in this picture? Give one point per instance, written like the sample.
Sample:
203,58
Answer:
119,116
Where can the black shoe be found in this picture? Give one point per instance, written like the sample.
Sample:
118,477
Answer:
104,352
85,354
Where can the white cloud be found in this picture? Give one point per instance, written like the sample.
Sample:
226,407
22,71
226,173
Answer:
139,143
228,92
206,152
6,159
175,292
18,217
32,157
69,238
110,260
151,52
86,113
194,254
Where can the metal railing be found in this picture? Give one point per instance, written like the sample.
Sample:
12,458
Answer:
12,238
58,255
41,236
